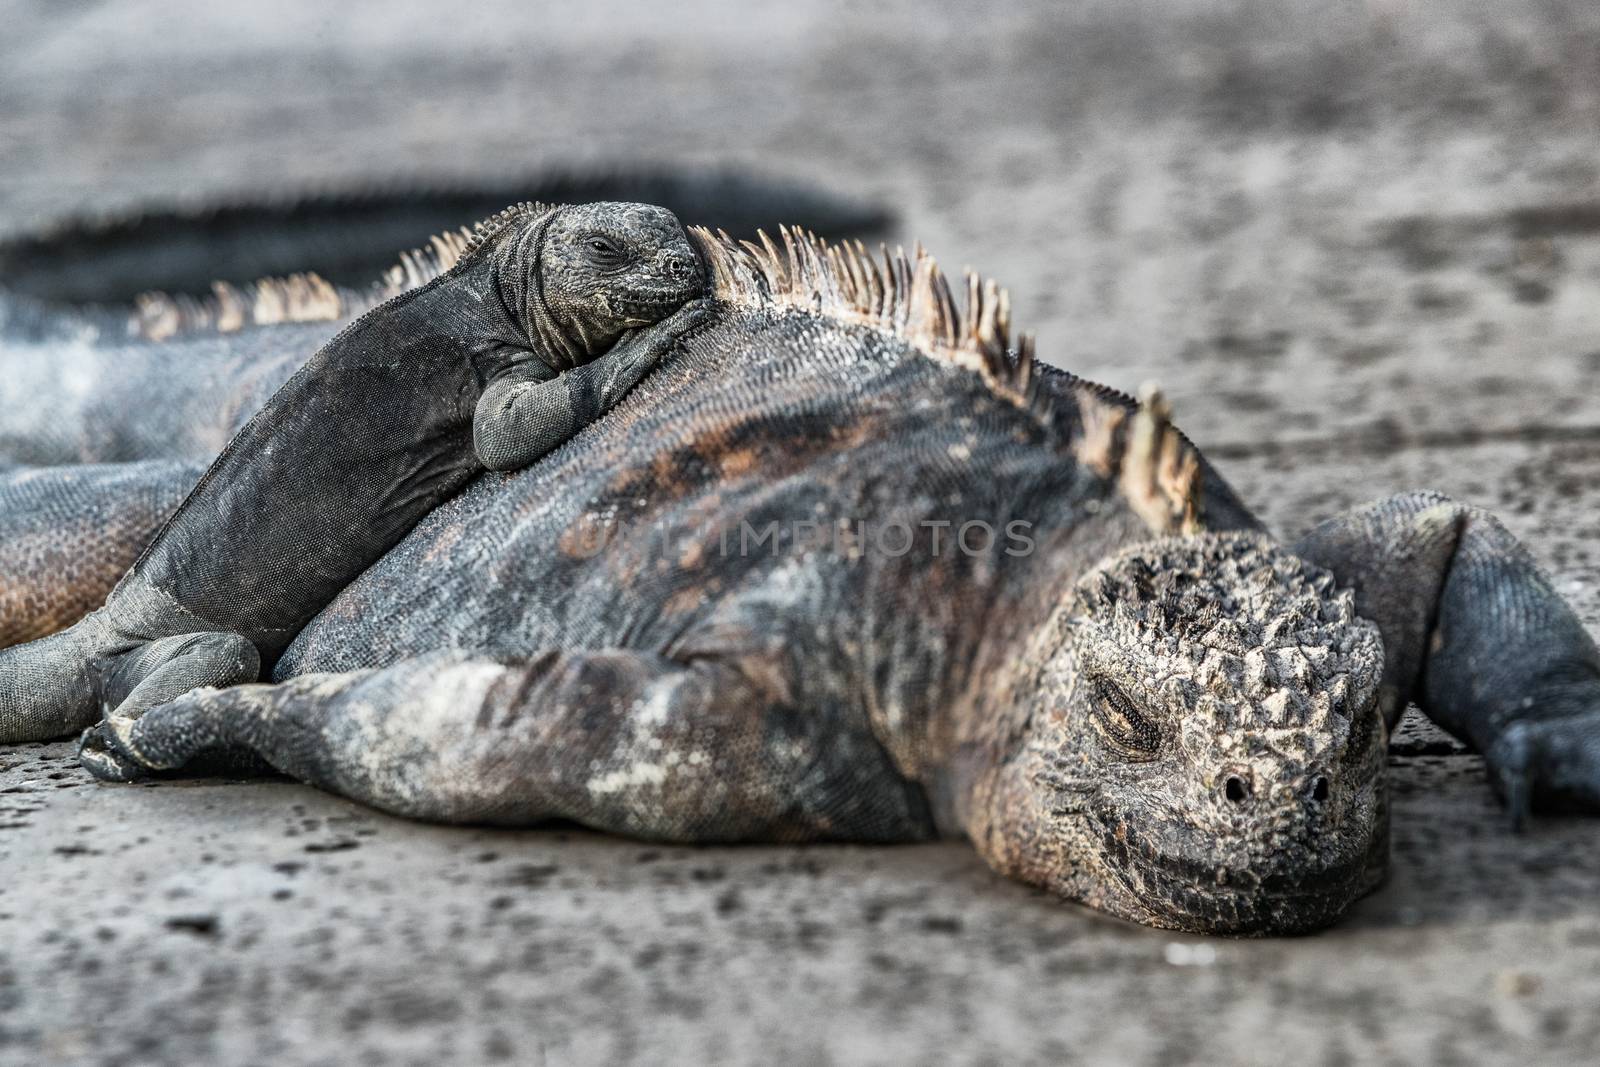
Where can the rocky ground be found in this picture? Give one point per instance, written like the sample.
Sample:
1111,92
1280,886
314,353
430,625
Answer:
1359,245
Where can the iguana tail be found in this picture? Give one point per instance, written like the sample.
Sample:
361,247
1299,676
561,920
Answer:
350,238
68,533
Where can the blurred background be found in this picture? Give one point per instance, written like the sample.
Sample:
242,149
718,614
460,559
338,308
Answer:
1358,243
1321,217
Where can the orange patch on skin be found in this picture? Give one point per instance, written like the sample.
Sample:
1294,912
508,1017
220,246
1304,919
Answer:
51,578
692,555
738,462
854,433
664,476
584,539
626,566
683,601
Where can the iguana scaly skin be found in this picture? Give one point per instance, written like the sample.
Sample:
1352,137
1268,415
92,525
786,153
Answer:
846,566
491,364
141,342
67,534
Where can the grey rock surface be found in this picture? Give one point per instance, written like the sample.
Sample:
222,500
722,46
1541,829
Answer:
1358,243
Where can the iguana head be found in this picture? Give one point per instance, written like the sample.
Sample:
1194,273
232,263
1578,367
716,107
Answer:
578,276
1207,743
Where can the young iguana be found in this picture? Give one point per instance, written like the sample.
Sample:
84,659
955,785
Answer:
133,347
154,333
490,365
845,568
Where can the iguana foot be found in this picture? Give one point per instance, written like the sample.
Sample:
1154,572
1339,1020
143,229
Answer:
104,760
45,688
1556,761
609,378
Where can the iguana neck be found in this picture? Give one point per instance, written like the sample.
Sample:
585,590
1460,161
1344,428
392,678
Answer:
460,312
988,718
976,754
518,273
947,702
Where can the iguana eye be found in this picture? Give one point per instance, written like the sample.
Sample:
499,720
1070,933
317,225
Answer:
602,251
1126,729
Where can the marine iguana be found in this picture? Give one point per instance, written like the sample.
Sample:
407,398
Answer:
172,255
140,342
531,334
138,335
781,592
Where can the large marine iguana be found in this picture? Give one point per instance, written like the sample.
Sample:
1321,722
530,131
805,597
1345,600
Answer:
780,593
530,335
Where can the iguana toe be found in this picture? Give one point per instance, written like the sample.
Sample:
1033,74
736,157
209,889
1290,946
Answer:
1555,761
1510,770
102,759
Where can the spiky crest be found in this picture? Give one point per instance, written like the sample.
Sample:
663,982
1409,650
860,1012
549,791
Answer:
907,296
308,297
1155,467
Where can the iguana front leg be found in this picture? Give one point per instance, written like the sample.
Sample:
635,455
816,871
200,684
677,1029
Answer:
618,740
1477,637
521,417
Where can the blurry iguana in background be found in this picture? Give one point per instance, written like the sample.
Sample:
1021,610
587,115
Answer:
852,565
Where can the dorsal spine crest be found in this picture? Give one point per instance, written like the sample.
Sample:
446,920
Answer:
308,297
905,295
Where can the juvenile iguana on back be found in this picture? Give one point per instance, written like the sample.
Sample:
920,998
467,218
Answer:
849,567
153,334
489,365
134,346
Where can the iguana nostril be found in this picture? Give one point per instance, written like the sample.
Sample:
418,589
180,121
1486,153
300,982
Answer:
1319,789
1236,789
679,266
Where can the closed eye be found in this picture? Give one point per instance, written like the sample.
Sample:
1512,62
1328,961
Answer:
603,251
1126,728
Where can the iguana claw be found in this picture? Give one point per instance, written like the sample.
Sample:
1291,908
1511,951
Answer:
1509,761
102,759
1558,759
